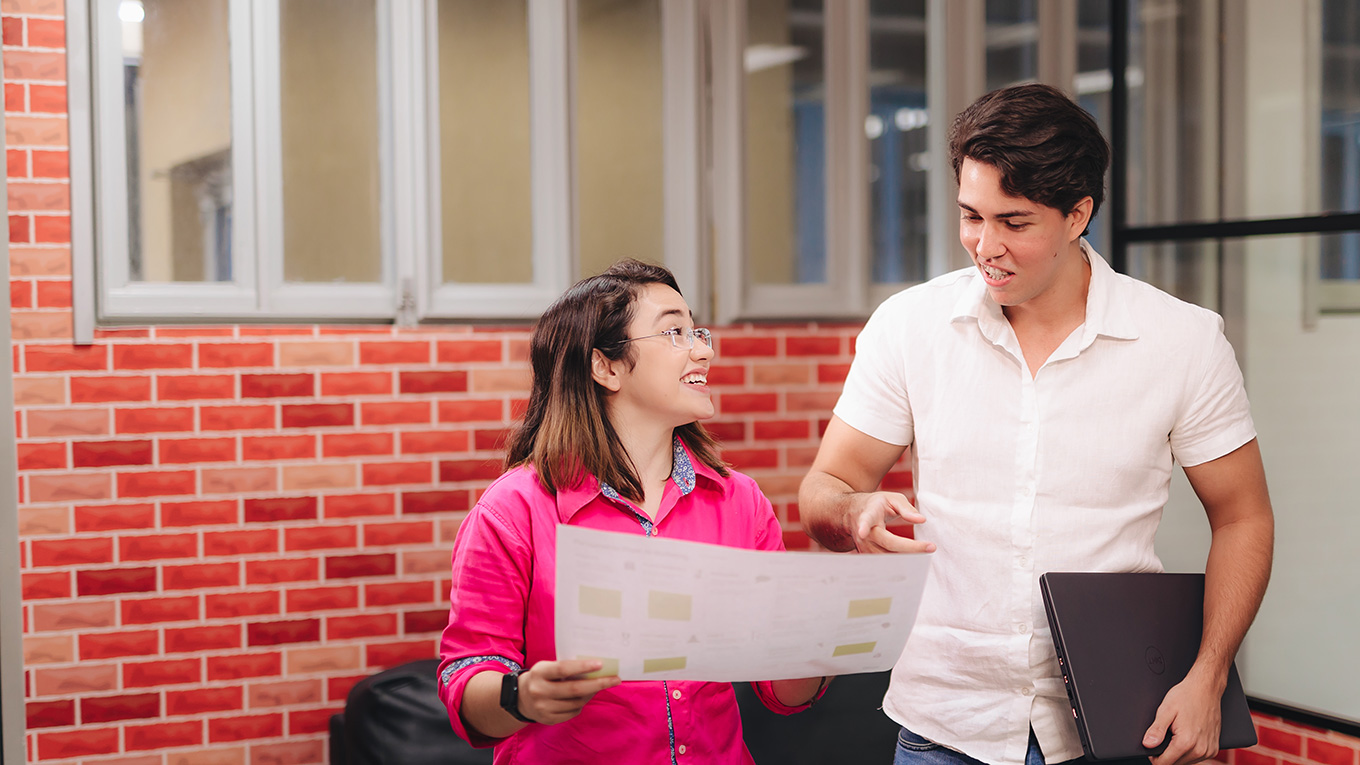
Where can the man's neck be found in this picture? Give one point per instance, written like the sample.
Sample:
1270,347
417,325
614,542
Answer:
1062,307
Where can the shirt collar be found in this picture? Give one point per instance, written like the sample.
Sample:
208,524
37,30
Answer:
685,472
1106,314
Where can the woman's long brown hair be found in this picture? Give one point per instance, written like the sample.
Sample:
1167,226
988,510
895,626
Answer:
566,432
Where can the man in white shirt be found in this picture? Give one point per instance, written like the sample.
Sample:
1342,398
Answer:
1046,399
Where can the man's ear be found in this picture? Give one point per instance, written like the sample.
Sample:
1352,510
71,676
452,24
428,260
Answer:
1079,218
602,371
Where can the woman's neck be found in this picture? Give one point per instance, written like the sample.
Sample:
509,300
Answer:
650,452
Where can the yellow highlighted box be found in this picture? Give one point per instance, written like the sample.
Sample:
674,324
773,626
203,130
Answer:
853,648
663,665
610,668
869,607
597,601
671,606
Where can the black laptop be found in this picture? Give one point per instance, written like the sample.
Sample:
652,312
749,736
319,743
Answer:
1123,641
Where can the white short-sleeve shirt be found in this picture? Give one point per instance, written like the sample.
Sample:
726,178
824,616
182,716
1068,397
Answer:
1067,470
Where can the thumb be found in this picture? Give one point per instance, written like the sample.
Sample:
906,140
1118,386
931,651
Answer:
1157,733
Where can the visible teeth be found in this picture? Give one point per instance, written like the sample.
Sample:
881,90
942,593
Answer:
995,273
695,379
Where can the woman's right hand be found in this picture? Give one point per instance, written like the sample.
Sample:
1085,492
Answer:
551,692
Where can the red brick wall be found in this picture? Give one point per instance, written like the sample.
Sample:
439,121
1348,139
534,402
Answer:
223,528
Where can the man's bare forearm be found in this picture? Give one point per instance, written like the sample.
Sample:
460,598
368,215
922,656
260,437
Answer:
824,504
1236,575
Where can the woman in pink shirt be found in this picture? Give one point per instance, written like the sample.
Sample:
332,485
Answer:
610,440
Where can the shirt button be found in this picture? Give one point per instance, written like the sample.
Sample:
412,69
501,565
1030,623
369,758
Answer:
680,749
1023,561
1027,691
1022,628
675,695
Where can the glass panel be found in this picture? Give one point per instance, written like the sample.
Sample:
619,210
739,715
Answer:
1093,93
1340,256
619,92
332,200
177,93
1188,270
1012,42
785,142
485,205
897,131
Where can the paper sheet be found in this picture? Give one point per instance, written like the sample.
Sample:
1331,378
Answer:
662,609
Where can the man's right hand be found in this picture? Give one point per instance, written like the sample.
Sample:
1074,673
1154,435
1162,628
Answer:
872,511
551,692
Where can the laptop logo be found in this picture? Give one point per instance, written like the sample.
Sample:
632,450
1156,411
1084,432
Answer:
1155,661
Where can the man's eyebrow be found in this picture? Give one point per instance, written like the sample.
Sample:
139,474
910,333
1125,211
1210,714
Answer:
1004,215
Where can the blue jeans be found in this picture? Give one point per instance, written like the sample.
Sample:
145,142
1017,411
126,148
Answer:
915,750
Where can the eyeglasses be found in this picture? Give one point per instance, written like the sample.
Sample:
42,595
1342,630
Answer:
680,338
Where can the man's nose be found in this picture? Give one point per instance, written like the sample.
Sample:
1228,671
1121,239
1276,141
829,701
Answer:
991,243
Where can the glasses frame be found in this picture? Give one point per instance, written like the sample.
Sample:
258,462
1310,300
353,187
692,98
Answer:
693,335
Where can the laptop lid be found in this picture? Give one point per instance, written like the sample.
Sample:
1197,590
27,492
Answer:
1123,640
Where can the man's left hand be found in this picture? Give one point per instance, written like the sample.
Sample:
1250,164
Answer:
1190,714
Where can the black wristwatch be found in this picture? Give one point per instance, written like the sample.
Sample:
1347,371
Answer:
510,696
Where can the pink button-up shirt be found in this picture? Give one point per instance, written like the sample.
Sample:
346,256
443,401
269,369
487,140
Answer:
504,562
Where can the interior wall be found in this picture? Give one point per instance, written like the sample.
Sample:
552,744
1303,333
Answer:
770,178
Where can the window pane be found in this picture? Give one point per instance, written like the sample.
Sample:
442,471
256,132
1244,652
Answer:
1093,94
1340,177
1012,42
896,130
332,201
177,93
1188,270
485,205
619,90
785,142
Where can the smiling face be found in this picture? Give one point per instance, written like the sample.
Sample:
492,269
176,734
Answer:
1026,252
666,387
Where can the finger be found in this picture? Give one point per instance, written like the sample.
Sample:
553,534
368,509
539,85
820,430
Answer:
902,508
561,670
881,540
582,689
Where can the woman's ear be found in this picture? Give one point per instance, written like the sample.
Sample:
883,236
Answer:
602,371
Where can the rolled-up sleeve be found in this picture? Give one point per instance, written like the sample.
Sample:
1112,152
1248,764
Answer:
492,564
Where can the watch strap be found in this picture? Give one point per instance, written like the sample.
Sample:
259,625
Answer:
510,696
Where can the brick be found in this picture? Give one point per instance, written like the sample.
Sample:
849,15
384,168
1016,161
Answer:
195,387
19,224
87,454
379,594
743,403
35,131
66,358
477,410
357,444
272,509
320,537
41,325
200,512
42,196
451,471
303,722
746,459
352,566
34,65
320,478
810,401
132,706
730,432
501,380
433,382
281,570
434,441
395,473
68,422
414,622
278,386
52,229
241,542
338,688
157,547
278,633
1329,753
419,502
16,100
774,375
153,356
156,484
316,415
47,99
80,615
200,700
108,645
39,391
352,505
155,420
114,581
238,604
491,440
69,487
383,655
50,714
244,665
89,677
46,33
162,735
464,351
92,390
356,383
51,164
325,659
361,626
199,575
797,540
316,353
832,373
85,742
734,346
395,413
237,417
235,355
196,639
406,533
727,374
20,293
46,456
302,752
812,346
78,551
56,584
239,480
42,521
394,352
191,450
1279,740
287,693
49,649
322,598
54,294
158,610
278,447
782,430
153,674
13,27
